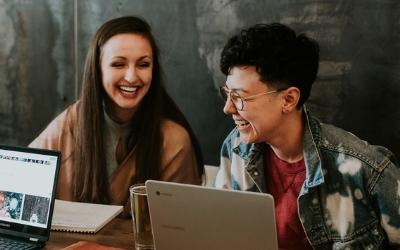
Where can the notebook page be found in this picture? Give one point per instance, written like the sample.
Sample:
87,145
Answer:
82,217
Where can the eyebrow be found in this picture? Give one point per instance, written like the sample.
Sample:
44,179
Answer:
122,57
144,57
140,58
236,89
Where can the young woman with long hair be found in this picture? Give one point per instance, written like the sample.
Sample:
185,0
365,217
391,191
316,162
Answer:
125,128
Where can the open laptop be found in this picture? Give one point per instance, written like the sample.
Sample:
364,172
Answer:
197,218
28,180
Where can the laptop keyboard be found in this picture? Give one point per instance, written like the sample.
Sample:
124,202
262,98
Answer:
9,244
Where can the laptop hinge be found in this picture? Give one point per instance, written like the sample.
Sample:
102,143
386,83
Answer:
34,239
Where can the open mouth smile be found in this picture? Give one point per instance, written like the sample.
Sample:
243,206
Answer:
128,89
241,124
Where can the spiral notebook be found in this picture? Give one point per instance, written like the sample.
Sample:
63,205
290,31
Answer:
82,217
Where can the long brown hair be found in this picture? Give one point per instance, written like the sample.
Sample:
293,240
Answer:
90,178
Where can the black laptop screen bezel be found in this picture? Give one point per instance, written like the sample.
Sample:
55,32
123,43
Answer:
28,231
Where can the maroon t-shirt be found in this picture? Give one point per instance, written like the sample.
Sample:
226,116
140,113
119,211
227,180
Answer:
284,181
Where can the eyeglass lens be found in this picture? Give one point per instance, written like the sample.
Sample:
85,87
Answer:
235,97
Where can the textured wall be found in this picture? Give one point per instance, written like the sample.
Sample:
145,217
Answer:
35,73
358,87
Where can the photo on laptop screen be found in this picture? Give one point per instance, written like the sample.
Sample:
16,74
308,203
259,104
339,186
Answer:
28,180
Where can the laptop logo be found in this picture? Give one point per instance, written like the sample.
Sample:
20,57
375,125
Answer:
158,193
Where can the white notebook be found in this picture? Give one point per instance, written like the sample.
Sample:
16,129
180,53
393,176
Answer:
82,217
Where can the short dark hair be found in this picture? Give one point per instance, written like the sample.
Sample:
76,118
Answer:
282,58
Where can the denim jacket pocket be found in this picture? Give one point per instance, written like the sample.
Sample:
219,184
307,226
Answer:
369,237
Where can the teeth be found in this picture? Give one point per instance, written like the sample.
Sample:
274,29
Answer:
128,89
241,123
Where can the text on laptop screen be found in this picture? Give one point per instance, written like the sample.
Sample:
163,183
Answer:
26,185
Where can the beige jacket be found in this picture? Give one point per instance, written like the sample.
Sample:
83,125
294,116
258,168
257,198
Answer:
178,158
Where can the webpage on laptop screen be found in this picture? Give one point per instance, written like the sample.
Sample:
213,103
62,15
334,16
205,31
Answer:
26,185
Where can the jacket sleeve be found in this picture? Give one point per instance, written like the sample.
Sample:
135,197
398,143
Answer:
178,158
386,193
58,136
223,178
178,161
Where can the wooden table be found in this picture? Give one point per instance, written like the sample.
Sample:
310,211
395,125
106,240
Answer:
117,233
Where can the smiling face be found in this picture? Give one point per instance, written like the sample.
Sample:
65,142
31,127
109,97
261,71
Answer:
260,119
126,66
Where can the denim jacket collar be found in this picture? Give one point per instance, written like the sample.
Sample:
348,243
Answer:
248,152
312,158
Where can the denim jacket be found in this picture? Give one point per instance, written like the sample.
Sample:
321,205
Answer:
350,198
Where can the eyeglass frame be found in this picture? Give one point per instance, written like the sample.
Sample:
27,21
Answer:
225,91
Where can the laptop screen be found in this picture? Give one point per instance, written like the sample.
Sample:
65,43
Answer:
27,186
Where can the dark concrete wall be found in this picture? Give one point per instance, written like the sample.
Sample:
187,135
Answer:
36,77
358,86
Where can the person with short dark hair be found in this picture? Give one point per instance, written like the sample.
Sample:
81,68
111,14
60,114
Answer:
125,128
332,190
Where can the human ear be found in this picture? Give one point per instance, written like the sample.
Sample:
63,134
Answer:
291,97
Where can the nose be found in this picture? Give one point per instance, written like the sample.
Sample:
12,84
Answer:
130,74
229,108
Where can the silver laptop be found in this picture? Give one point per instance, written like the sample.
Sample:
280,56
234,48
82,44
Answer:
28,180
194,217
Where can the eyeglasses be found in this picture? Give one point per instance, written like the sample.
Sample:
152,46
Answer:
238,100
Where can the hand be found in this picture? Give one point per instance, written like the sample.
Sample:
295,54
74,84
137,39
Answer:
87,245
